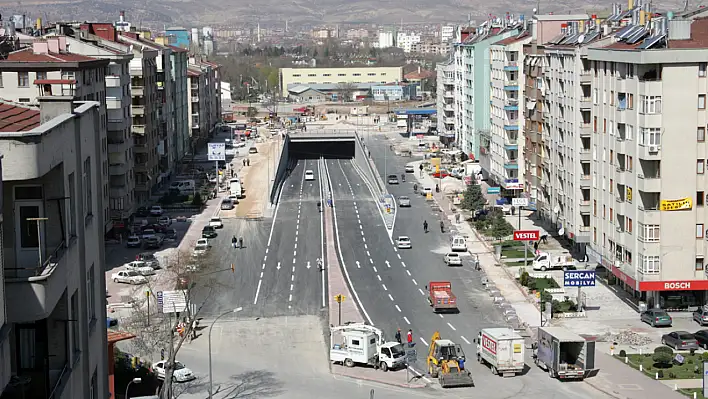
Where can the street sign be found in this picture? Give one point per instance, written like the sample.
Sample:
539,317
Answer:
217,151
579,278
411,355
172,301
520,202
526,235
493,190
339,298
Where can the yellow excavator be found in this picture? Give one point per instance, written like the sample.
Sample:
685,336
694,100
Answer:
446,362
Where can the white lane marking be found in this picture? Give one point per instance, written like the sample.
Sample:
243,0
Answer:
361,228
296,233
362,233
267,250
406,319
294,253
441,316
292,278
388,264
278,267
465,339
421,292
451,326
395,249
295,245
291,287
261,275
290,298
368,253
294,261
258,290
390,297
408,271
379,277
414,282
363,238
322,234
398,309
426,344
375,270
366,246
293,269
399,256
263,266
384,287
403,264
358,266
371,261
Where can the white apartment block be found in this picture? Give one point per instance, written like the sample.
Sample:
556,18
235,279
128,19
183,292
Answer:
649,183
386,39
53,246
447,33
48,69
445,100
406,40
507,122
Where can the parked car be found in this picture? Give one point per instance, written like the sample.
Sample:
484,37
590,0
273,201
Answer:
128,277
142,212
453,259
410,169
153,242
680,340
164,221
404,202
216,223
209,232
180,372
656,318
170,234
701,316
149,259
404,242
201,248
148,233
392,179
253,150
140,267
426,191
156,210
134,241
227,204
702,338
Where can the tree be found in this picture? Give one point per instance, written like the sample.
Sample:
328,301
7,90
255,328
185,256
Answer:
473,198
499,228
252,112
345,90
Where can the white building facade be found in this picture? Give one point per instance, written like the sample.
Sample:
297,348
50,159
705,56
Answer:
406,40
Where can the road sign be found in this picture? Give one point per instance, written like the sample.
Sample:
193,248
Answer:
217,151
339,298
493,190
520,201
526,235
579,278
172,301
411,355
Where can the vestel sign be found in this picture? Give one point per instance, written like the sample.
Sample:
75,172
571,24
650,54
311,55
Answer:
489,344
526,235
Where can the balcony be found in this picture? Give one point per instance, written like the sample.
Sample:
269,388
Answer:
448,108
511,107
511,85
194,87
117,169
137,110
449,120
140,147
511,164
114,103
533,135
511,125
585,207
195,99
648,184
585,77
511,145
511,66
118,191
650,152
137,91
116,125
140,167
449,94
585,103
143,186
112,81
585,129
138,129
585,181
585,155
448,81
136,71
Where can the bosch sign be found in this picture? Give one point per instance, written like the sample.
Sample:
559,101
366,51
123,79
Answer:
526,235
489,344
693,285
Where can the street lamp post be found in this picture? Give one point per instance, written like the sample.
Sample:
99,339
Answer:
210,328
137,380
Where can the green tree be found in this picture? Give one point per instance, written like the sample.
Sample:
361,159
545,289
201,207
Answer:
251,112
473,198
499,228
662,356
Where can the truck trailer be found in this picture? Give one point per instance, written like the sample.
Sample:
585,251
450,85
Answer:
564,354
360,343
502,349
549,260
441,298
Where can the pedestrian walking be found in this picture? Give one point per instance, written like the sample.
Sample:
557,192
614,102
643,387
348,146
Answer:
244,162
240,242
248,162
409,338
234,241
195,324
398,336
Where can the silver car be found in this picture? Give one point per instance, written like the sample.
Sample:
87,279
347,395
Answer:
404,202
680,340
701,316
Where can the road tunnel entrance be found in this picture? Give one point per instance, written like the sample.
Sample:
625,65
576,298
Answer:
340,149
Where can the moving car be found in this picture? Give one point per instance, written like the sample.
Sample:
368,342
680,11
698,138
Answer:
142,212
201,248
128,277
656,318
309,175
134,242
149,259
156,210
680,340
148,233
227,204
403,242
426,191
164,221
459,244
392,179
701,316
702,338
216,223
209,232
153,242
240,144
253,150
180,372
453,259
404,202
140,267
410,169
170,235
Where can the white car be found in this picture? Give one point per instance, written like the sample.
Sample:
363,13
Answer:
201,248
156,210
453,259
403,242
128,277
180,372
240,144
404,201
426,191
134,242
216,223
148,233
164,221
309,175
140,267
410,169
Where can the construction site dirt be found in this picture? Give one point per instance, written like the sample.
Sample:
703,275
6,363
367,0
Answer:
256,180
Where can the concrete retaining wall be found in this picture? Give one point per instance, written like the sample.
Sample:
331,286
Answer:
280,173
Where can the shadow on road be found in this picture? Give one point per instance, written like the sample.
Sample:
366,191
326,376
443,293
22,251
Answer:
251,384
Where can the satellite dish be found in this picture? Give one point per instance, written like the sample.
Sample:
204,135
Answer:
556,209
561,231
581,38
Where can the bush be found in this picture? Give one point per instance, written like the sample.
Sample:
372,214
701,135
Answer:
648,368
704,356
662,358
672,376
693,351
197,200
664,349
524,278
623,353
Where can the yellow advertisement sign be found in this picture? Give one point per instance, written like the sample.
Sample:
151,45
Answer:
676,205
435,162
517,348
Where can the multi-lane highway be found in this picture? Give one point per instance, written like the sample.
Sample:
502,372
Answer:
390,283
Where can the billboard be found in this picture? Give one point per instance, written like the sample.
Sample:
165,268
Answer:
579,278
217,151
676,205
527,235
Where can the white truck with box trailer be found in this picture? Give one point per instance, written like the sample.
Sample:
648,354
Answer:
359,343
235,187
564,354
549,261
502,349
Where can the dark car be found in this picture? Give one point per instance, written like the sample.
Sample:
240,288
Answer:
702,338
142,212
171,234
680,340
149,259
153,242
209,232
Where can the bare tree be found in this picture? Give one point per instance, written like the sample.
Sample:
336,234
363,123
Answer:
345,90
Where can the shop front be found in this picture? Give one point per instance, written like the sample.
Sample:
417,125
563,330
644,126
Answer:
622,279
678,295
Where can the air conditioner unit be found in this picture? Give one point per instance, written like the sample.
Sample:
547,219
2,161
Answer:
653,148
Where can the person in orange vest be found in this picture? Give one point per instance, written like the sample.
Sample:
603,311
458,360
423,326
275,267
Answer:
410,338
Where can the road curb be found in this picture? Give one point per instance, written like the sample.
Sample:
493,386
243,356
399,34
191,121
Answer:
378,381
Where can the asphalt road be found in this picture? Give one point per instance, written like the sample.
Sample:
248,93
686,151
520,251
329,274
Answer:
393,294
276,273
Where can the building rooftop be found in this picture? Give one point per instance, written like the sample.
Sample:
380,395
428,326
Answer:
191,72
29,55
416,75
177,49
562,17
16,118
513,39
699,36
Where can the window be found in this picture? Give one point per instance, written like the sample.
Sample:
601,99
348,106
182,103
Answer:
612,97
650,105
22,79
595,96
700,198
326,74
612,214
0,79
594,124
594,207
311,75
701,101
604,211
629,225
296,75
88,200
650,136
701,134
699,230
630,162
649,264
630,101
91,294
628,194
71,205
699,263
41,75
702,69
700,166
612,157
612,184
341,74
649,232
75,328
604,125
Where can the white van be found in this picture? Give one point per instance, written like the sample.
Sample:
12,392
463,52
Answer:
459,244
184,186
235,187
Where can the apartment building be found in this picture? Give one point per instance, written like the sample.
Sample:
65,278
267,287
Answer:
649,181
427,46
53,249
204,91
179,59
445,101
405,40
47,68
506,168
291,77
5,325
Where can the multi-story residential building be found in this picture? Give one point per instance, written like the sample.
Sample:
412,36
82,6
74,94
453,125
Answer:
445,101
427,46
386,39
53,249
196,92
405,40
649,159
180,37
507,103
447,32
291,77
5,325
179,59
46,68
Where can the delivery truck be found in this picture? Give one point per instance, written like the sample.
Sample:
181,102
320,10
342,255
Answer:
440,297
549,260
564,354
502,349
359,343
